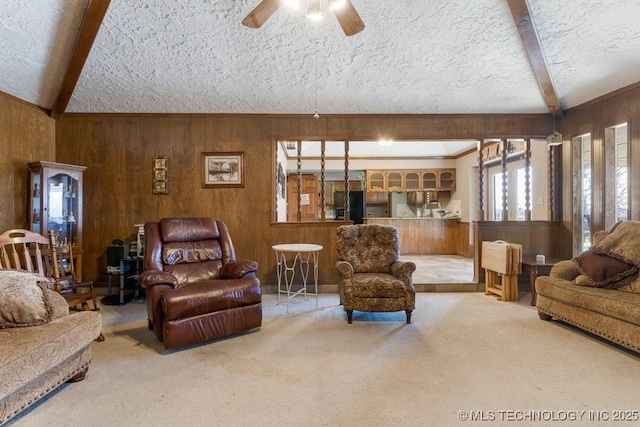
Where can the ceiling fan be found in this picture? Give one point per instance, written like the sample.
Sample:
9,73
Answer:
343,9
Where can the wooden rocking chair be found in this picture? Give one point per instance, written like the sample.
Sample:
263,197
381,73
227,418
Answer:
26,250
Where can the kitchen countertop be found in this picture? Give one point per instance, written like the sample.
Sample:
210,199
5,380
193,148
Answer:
420,218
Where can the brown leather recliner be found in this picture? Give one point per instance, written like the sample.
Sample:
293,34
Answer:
195,289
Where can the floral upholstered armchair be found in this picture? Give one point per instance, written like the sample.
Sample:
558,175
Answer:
370,275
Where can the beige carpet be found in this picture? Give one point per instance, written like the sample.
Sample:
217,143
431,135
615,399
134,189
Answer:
463,352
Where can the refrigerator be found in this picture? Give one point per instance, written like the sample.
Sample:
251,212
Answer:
356,206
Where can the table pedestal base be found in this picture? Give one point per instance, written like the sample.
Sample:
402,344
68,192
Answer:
305,258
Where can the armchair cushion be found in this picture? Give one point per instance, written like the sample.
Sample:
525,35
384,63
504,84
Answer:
25,299
372,285
232,293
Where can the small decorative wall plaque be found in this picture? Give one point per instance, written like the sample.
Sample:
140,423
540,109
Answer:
160,175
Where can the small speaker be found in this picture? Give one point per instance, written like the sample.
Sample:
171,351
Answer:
115,253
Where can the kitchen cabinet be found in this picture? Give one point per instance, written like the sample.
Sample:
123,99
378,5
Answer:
376,181
331,187
411,180
447,180
415,198
377,198
395,181
418,198
429,180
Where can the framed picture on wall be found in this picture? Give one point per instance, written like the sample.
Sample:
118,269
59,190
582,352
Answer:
222,170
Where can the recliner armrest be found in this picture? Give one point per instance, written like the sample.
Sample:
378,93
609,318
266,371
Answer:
157,277
238,269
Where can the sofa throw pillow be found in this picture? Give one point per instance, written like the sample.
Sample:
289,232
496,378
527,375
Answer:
604,271
24,299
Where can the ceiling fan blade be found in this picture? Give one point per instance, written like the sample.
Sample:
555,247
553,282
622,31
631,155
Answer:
349,19
263,11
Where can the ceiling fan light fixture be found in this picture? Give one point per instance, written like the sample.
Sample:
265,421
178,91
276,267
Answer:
315,10
336,4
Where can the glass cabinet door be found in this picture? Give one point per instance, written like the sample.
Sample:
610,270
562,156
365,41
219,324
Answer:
62,194
376,181
394,181
447,180
429,181
56,201
411,181
35,206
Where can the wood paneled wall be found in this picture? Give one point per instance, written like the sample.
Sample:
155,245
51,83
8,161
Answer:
118,150
27,134
551,238
464,240
594,116
424,236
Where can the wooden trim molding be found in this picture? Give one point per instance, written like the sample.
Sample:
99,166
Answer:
527,30
96,10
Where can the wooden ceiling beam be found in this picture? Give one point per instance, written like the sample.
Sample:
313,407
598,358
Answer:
529,36
91,22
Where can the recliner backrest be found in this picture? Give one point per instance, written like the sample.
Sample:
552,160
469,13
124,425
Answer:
192,249
369,248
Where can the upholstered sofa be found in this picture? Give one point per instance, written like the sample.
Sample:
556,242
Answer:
41,344
599,290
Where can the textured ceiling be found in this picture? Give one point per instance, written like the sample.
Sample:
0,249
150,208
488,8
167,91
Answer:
194,56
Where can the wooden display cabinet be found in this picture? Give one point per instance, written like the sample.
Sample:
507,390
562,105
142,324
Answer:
55,203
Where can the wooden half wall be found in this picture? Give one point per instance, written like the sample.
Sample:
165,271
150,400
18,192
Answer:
551,238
